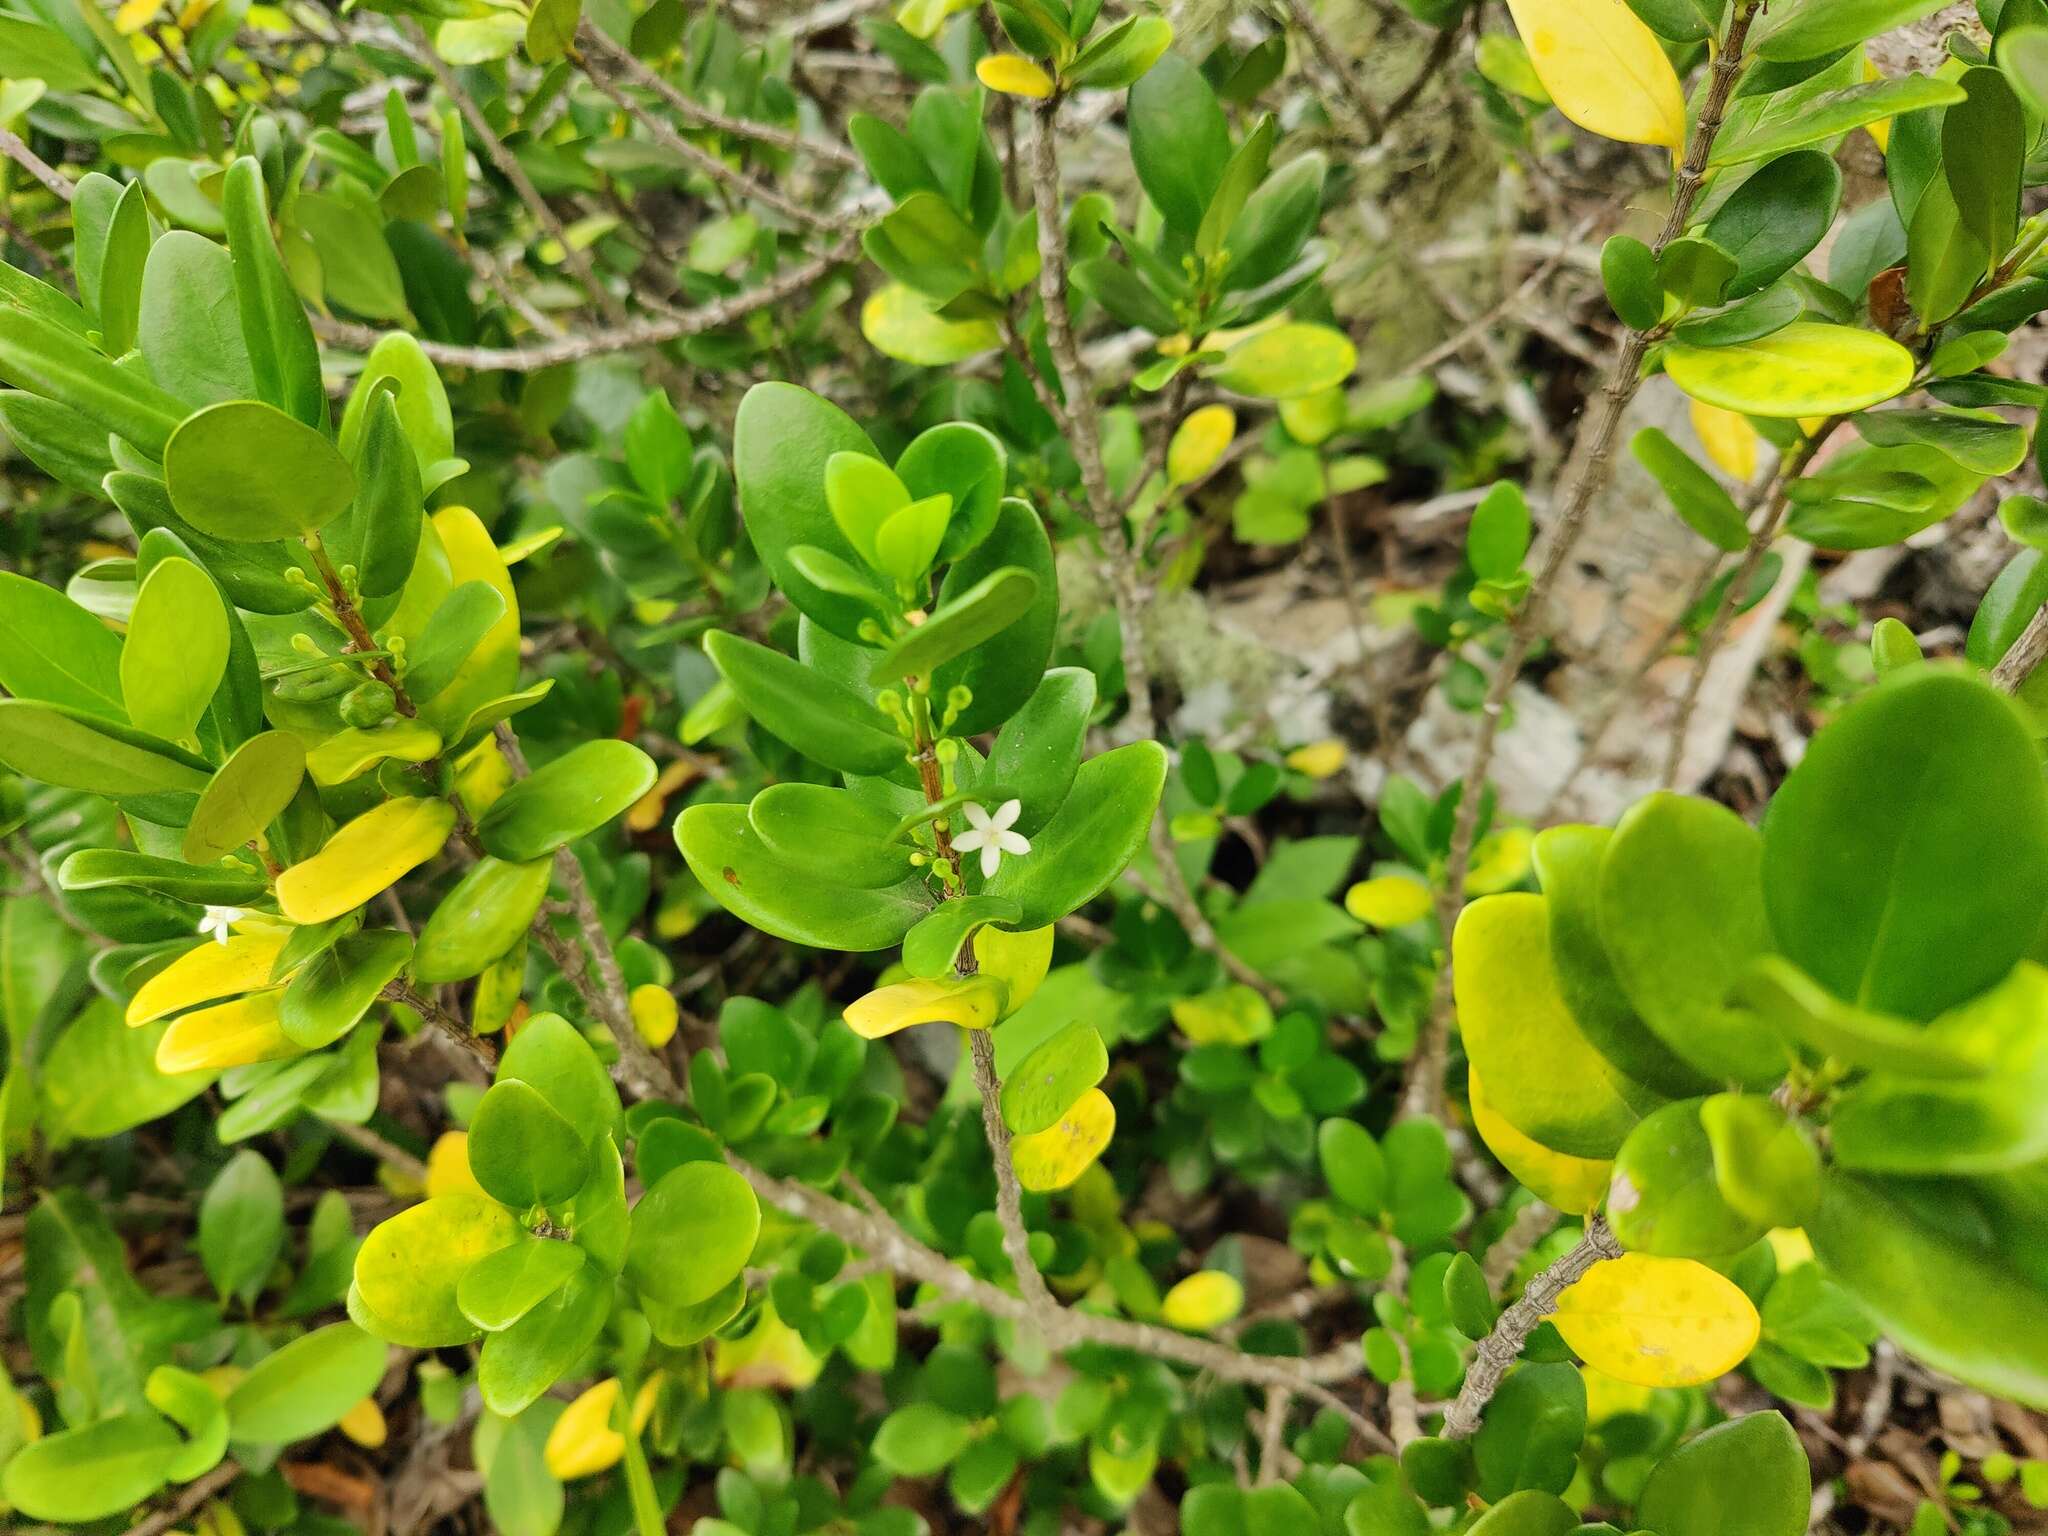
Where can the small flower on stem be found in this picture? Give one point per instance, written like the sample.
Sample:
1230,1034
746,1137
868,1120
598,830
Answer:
992,835
218,921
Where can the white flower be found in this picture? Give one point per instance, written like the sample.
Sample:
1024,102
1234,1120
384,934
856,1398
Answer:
218,920
992,835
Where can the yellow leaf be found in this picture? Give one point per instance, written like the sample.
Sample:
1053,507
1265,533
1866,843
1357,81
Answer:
1233,1015
1501,861
1881,130
972,1002
347,753
654,1013
1573,1184
364,858
900,322
227,1035
1053,1158
448,1166
1206,1299
1319,759
1658,1322
645,813
1542,1073
1012,74
583,1442
1604,69
1606,1396
1018,960
492,669
1791,1247
364,1423
1312,419
134,15
481,775
194,12
772,1356
1389,901
1730,441
207,971
1198,442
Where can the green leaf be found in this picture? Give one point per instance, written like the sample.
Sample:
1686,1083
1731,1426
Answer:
1097,831
1532,1431
786,897
1628,271
1353,1165
1817,119
1664,1198
845,838
1764,1164
120,276
1773,220
44,358
1180,142
93,1472
522,1151
520,1362
496,1291
958,625
1529,1512
77,751
803,706
1806,369
783,438
1697,497
1811,31
550,1055
67,445
246,472
1982,443
461,624
276,334
1120,56
1984,141
1498,536
487,912
306,1386
328,995
93,868
930,948
1944,1295
408,1267
53,650
1038,751
692,1233
1468,1299
187,1401
1051,1077
1004,672
567,799
241,1226
920,1439
1681,910
176,651
1747,1477
1906,858
100,1078
248,792
379,534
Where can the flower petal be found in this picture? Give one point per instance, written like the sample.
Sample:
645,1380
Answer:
991,860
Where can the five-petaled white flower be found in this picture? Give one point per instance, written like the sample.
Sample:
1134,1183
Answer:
992,835
218,920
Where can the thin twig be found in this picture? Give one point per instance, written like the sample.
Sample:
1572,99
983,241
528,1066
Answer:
2027,653
630,336
508,166
190,1497
1532,1223
1500,1349
1009,1194
1424,1088
13,146
1349,86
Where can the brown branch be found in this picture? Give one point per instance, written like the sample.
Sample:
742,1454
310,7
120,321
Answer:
190,1497
627,337
1009,1195
2027,653
16,149
1594,452
1499,1350
1349,86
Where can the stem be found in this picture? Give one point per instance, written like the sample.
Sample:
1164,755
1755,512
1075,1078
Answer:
2027,653
359,637
1503,1347
1009,1195
16,149
1594,453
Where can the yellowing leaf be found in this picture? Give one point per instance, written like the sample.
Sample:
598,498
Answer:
1791,1247
1501,861
1604,69
448,1166
1233,1015
1198,442
1881,130
1658,1322
364,1424
772,1356
1807,369
1389,901
364,858
1319,759
134,15
1573,1184
583,1442
207,971
230,1034
1018,960
1206,1299
1053,1158
654,1014
1013,75
1606,1396
898,322
492,669
972,1002
347,753
1730,441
